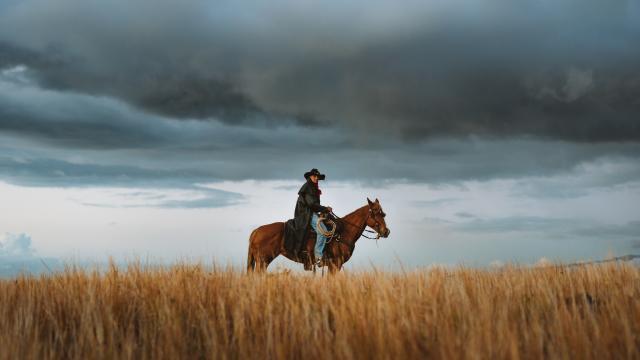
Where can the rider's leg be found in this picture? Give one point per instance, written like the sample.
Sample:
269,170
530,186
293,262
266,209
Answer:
320,239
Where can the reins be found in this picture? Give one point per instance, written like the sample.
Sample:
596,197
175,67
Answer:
365,229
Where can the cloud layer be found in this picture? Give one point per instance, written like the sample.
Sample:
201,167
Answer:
553,69
52,137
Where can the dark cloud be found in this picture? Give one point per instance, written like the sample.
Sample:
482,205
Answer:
171,92
68,131
561,70
53,172
74,120
24,164
497,91
67,139
56,173
12,55
190,96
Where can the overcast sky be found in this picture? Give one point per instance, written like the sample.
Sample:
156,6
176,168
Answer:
491,131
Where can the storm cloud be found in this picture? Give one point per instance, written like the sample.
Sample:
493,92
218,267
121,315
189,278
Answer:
564,70
61,138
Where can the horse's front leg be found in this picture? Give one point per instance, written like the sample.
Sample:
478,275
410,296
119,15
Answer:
335,265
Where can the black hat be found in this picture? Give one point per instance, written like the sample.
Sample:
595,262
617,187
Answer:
314,171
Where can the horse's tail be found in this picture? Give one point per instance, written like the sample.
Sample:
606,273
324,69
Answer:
251,259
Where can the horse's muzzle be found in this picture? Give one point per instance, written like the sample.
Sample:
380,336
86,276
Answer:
386,233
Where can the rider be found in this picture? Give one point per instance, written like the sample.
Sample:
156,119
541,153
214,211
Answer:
309,199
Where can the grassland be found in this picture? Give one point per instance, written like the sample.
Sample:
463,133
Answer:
190,311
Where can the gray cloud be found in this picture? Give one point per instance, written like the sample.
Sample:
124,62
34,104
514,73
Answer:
434,203
90,104
553,228
605,172
442,162
59,138
560,70
578,235
73,120
53,172
204,198
523,224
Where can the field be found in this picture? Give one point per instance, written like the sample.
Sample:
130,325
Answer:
192,311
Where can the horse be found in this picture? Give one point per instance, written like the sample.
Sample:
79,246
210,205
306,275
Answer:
267,241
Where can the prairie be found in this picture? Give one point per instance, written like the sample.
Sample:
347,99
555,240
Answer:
193,311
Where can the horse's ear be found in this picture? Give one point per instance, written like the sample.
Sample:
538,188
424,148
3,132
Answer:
369,201
377,202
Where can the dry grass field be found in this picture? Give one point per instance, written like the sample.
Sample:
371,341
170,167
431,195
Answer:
190,311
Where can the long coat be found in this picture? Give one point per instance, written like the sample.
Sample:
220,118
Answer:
296,229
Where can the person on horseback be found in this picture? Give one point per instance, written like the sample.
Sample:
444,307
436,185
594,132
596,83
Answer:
308,209
289,238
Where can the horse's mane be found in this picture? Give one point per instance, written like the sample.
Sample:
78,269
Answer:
355,211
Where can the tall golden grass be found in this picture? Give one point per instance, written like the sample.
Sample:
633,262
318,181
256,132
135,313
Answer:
191,311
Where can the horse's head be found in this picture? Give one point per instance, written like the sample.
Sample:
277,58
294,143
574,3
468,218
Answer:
376,218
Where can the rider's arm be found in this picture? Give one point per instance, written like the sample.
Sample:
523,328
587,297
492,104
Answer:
311,201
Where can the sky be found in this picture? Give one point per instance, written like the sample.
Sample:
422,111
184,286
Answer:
491,131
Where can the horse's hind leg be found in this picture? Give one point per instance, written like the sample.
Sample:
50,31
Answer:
265,244
251,261
251,256
263,262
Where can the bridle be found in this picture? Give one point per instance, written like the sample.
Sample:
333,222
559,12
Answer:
371,214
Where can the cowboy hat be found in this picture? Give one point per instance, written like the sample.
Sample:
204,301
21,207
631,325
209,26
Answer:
314,171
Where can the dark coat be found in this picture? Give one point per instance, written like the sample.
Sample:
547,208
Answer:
296,229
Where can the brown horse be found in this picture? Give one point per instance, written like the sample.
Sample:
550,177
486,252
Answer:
267,241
